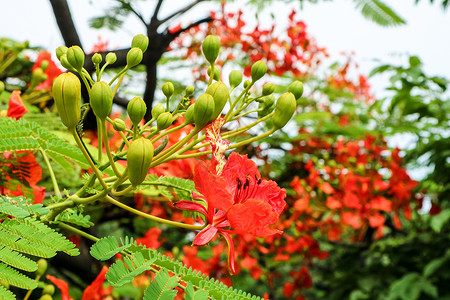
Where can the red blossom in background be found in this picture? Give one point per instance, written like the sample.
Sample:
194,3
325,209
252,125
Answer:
16,108
52,71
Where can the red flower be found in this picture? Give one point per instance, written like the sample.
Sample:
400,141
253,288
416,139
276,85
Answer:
95,290
238,201
52,71
62,285
16,108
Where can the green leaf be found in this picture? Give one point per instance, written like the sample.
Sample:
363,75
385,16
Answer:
438,221
191,294
161,288
6,294
74,217
379,13
124,271
17,260
434,265
107,247
11,276
410,286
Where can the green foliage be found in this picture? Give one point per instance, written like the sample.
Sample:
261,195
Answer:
162,287
379,12
74,217
24,135
12,277
138,259
192,294
6,294
410,287
181,187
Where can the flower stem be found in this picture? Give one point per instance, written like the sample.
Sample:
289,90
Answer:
52,175
77,231
108,151
147,216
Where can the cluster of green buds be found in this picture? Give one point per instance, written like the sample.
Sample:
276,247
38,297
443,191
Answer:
145,144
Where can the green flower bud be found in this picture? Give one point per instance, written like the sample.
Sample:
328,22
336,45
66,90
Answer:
189,90
97,58
65,63
49,289
139,158
38,74
267,105
60,51
67,95
44,64
296,88
284,109
189,116
268,88
119,124
247,83
203,110
101,99
2,87
110,58
259,69
235,78
157,110
216,73
136,110
168,89
75,56
42,267
134,57
211,47
164,120
220,93
140,41
46,297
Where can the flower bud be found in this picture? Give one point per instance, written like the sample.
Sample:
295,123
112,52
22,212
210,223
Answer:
2,87
65,63
259,69
110,58
247,83
235,78
164,120
67,95
296,88
189,90
268,89
189,116
216,73
101,99
168,89
134,57
46,297
136,110
60,51
119,124
75,56
157,110
220,93
284,109
97,58
49,289
210,47
42,267
44,64
266,106
139,158
203,110
140,41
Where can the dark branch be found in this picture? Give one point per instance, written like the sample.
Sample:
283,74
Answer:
128,5
195,24
65,23
181,11
154,22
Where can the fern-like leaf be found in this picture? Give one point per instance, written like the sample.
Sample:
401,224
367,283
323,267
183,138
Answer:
17,260
11,276
6,294
192,294
161,288
20,207
74,217
17,243
107,247
378,12
124,271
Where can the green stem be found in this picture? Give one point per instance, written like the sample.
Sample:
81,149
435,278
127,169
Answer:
9,61
88,157
150,217
77,231
108,152
124,191
118,74
52,175
229,114
100,140
118,84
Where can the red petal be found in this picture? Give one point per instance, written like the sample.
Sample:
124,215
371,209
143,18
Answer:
326,188
95,290
191,205
205,236
268,191
16,108
62,285
231,252
212,187
238,167
376,220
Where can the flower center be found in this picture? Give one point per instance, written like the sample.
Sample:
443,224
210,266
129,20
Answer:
246,189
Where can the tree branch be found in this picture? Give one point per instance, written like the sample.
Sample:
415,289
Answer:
154,22
128,5
65,23
181,11
201,21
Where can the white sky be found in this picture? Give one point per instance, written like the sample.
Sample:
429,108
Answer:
337,25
